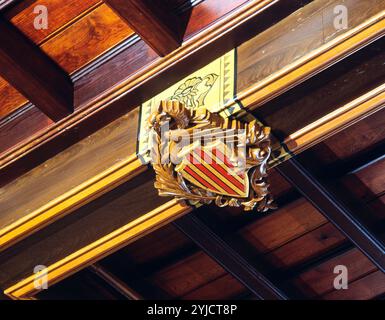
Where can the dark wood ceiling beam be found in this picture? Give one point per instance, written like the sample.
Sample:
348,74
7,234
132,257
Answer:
330,205
228,258
7,3
115,282
26,67
155,24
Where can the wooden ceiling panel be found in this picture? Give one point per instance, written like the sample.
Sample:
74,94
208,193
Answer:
318,281
10,99
87,39
368,183
368,287
283,225
148,251
60,14
188,274
308,246
222,288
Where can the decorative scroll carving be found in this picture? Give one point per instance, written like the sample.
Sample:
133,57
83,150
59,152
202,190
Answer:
201,157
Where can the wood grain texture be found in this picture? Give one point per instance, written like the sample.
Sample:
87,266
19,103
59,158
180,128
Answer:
305,30
306,247
10,99
369,183
63,172
326,91
318,281
39,78
223,288
366,288
60,14
87,39
153,21
287,223
96,88
84,226
186,275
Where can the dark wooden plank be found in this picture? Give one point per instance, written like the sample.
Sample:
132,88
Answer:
282,226
368,287
306,247
4,4
115,282
222,288
38,77
230,260
318,280
156,25
84,285
337,212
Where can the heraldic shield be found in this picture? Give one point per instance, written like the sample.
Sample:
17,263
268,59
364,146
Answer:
212,168
202,157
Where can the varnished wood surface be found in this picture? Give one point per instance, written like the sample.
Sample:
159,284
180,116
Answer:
368,287
38,78
87,39
82,227
22,16
297,35
77,34
318,281
284,225
10,99
69,169
306,247
97,84
153,21
60,14
325,92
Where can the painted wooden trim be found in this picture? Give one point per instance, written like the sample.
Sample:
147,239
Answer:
337,120
313,63
319,130
71,200
99,249
202,39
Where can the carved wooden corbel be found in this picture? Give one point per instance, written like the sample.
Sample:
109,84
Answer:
202,157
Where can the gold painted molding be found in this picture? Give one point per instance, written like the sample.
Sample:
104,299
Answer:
99,249
123,171
337,120
312,63
319,130
218,29
71,200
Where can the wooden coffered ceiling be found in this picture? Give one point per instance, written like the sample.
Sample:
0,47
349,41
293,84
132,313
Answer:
75,197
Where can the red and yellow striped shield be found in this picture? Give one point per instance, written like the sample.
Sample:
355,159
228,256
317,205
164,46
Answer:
211,169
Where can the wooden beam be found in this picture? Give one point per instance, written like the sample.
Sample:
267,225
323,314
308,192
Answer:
156,25
115,282
34,73
228,258
7,3
327,202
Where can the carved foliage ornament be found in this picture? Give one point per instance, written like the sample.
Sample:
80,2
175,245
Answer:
202,157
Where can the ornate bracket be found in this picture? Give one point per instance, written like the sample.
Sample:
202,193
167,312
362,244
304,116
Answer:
201,157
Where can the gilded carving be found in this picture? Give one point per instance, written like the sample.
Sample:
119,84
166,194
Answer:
202,157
